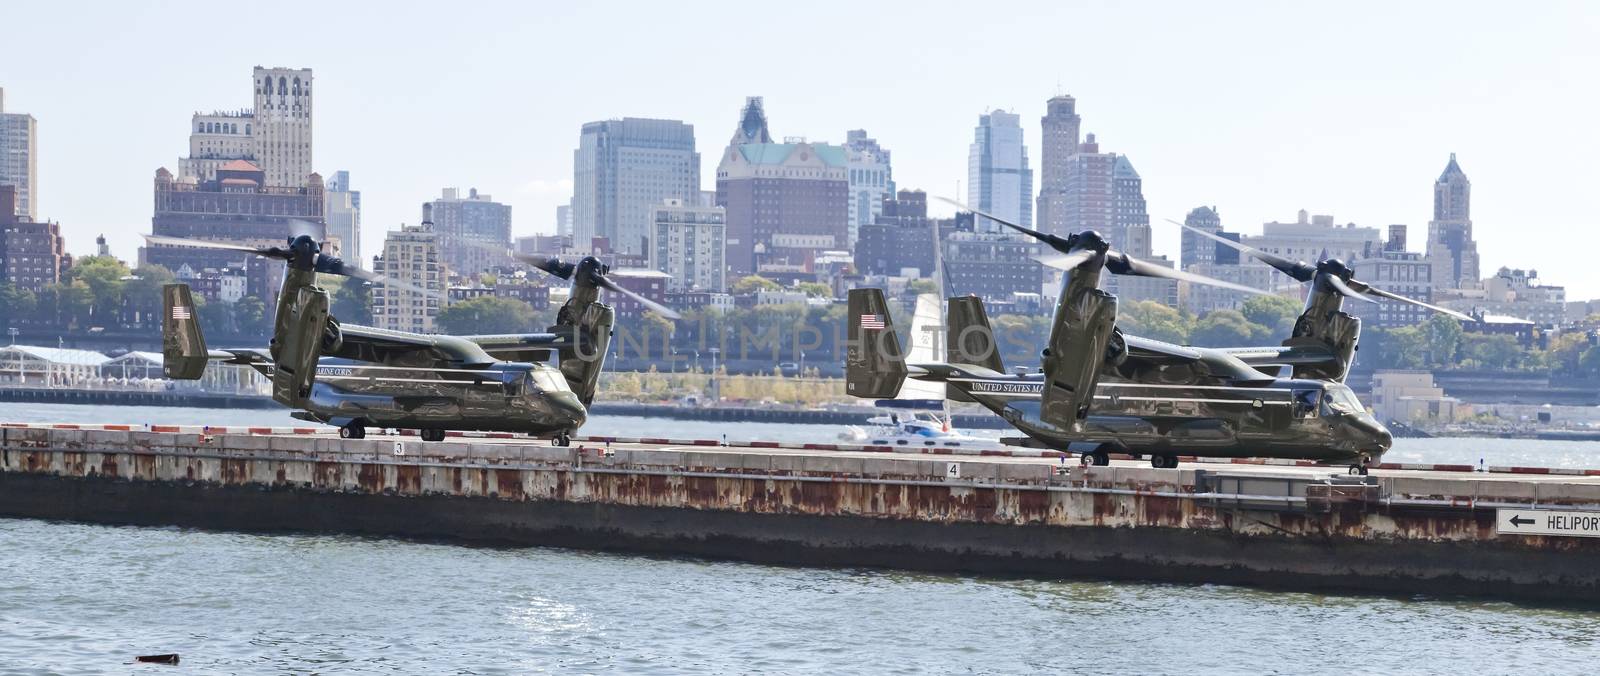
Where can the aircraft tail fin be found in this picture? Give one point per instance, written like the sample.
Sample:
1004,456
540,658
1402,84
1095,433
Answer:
875,366
183,347
972,340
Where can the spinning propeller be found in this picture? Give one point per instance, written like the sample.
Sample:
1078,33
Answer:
1330,275
302,252
594,273
1075,250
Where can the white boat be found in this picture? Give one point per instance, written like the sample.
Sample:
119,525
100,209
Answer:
923,429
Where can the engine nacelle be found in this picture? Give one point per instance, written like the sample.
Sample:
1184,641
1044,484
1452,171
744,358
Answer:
332,337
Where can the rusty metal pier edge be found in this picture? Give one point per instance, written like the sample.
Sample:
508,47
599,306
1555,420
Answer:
1300,531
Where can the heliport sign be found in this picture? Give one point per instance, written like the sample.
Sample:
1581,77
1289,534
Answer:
1548,522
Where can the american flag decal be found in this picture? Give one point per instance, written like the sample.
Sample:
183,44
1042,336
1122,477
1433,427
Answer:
871,321
181,312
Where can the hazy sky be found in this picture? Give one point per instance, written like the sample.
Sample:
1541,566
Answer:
1260,109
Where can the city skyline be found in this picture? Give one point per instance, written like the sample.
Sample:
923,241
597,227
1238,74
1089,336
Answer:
1259,112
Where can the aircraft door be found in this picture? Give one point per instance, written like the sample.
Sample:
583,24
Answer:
300,348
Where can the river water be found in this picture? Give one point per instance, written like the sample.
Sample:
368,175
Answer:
80,598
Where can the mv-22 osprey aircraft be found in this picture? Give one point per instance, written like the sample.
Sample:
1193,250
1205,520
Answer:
1117,392
357,377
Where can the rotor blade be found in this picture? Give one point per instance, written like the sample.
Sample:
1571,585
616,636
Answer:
1055,242
549,264
1065,261
1372,290
1344,289
659,309
336,266
1119,263
1295,269
272,252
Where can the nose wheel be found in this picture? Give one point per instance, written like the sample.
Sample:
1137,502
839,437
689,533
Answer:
562,439
1360,468
431,435
1164,461
353,431
1098,457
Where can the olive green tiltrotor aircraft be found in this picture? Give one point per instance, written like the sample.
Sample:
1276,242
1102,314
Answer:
1115,392
357,377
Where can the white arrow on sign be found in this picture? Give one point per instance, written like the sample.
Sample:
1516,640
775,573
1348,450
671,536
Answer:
1564,522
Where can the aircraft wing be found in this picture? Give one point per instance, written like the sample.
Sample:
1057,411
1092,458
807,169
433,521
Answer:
1283,355
367,343
526,347
1159,352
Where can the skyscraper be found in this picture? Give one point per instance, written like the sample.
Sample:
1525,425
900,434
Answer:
1059,142
1450,246
1196,248
19,158
785,202
216,139
343,210
690,246
472,232
622,170
282,124
871,180
998,178
275,135
410,255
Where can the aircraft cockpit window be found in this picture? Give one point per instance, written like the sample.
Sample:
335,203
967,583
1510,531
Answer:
1343,400
547,380
1305,403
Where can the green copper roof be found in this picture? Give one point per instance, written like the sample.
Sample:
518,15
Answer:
778,153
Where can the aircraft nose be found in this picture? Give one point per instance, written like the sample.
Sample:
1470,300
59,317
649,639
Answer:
567,405
1378,435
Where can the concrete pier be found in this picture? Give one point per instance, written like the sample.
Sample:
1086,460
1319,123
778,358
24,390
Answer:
1400,531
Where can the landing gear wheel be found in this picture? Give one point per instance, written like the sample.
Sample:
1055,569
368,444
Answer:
431,435
1361,466
1098,456
1164,461
353,431
561,439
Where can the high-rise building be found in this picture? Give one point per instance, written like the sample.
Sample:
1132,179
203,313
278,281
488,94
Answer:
901,242
1450,244
275,135
282,124
1399,271
871,180
216,139
32,254
1314,238
690,246
473,232
343,213
992,266
19,159
564,221
998,178
622,170
237,207
410,255
785,202
1196,248
1059,140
